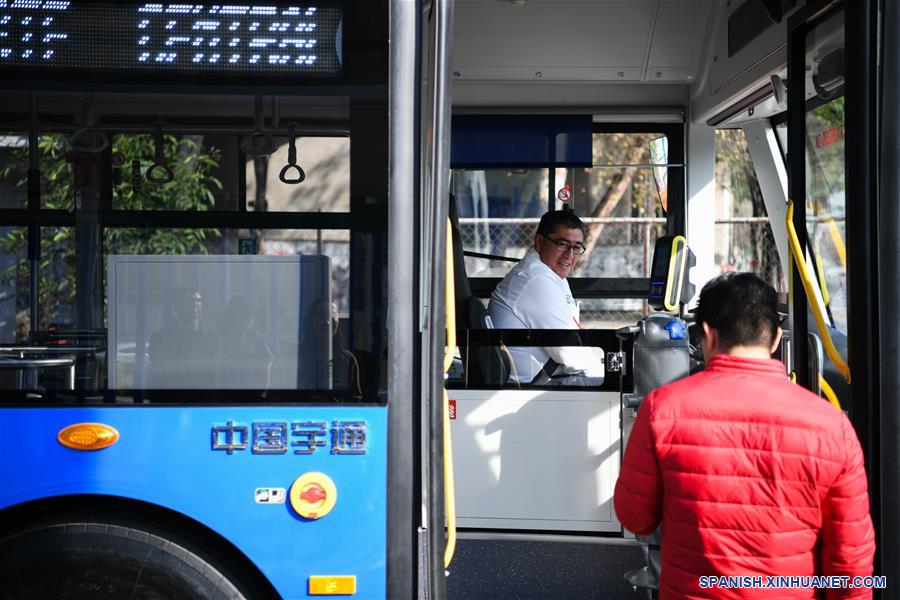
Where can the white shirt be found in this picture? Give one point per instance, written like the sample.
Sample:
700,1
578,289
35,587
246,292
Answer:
532,296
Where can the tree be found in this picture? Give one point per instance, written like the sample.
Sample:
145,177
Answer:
618,175
192,188
751,247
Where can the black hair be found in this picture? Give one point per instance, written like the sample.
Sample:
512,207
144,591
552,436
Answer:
554,219
741,307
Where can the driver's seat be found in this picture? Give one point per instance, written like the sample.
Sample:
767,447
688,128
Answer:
483,365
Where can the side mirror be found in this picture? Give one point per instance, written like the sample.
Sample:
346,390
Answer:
659,157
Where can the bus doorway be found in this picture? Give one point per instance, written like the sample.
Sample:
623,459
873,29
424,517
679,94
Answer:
705,66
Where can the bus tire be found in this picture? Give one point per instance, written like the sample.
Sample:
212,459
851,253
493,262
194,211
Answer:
107,560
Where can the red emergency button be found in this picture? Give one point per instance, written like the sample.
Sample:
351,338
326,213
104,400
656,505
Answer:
313,495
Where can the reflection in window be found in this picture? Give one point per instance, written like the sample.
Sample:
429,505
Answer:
56,281
333,243
263,242
57,284
254,269
825,204
220,322
13,169
205,308
15,320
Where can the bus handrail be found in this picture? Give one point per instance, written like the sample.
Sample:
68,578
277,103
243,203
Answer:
27,369
837,241
10,362
826,218
807,280
821,386
828,392
449,353
23,350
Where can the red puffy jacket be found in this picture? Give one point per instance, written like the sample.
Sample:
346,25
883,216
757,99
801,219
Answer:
750,475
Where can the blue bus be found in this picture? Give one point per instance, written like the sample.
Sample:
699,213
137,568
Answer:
245,252
196,240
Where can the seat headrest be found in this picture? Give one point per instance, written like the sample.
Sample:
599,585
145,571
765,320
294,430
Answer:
461,279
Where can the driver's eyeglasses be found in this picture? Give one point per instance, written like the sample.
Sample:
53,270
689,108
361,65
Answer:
564,246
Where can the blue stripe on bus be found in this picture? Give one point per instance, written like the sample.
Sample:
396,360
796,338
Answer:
164,456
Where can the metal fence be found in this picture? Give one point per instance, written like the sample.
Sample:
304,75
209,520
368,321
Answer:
620,247
617,247
623,248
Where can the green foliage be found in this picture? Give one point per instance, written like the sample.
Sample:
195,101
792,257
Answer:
638,185
748,247
192,189
831,114
735,173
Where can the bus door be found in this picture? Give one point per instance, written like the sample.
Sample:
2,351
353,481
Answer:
535,456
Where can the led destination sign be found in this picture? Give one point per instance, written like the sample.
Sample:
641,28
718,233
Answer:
276,39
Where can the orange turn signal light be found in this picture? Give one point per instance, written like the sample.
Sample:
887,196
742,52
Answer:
332,585
88,436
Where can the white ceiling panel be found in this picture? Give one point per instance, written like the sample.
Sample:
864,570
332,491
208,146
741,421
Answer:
574,40
675,51
571,51
499,40
558,16
555,73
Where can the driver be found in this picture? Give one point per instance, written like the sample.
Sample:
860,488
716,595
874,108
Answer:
536,295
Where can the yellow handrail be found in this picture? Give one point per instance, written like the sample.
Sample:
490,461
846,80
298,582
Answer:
822,285
449,352
829,393
807,281
838,242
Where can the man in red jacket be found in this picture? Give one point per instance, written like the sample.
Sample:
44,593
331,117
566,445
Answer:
750,475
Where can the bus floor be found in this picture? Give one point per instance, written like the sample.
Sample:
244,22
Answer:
517,570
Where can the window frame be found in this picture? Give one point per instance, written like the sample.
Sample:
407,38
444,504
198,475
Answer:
621,287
